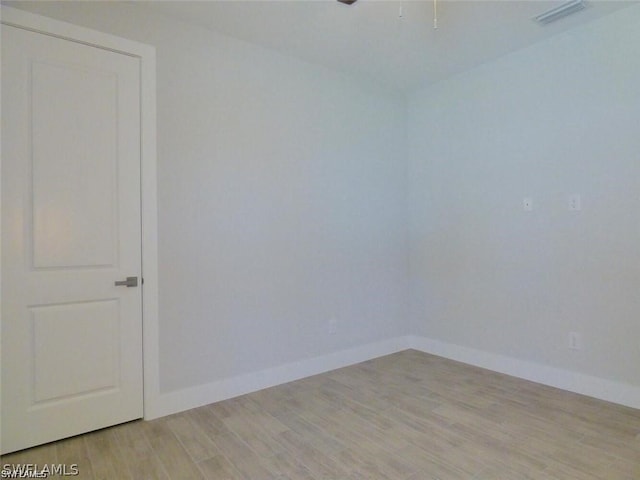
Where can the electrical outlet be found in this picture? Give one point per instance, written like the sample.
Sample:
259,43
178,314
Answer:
333,326
575,341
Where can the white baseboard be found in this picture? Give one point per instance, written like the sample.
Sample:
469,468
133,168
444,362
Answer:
178,401
603,389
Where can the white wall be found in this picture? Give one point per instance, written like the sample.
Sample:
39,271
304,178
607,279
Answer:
282,201
283,204
557,118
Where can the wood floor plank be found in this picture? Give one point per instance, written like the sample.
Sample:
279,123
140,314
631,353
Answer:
218,468
616,446
174,458
626,469
73,451
207,420
249,430
244,460
103,452
358,465
197,444
592,460
320,464
406,416
286,466
312,432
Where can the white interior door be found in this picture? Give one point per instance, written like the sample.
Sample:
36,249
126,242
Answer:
71,338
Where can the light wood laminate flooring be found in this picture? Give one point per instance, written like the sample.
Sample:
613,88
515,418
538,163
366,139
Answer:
406,416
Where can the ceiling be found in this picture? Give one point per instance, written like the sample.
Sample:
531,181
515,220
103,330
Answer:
369,39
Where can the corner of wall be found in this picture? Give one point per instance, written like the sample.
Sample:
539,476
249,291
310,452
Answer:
177,401
600,388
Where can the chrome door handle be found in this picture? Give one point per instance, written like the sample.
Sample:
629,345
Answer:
129,282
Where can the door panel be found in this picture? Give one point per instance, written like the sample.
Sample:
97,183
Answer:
73,227
57,373
71,339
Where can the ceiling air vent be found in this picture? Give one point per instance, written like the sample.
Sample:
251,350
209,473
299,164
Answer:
560,12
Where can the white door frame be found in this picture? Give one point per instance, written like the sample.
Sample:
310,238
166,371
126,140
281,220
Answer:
147,55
